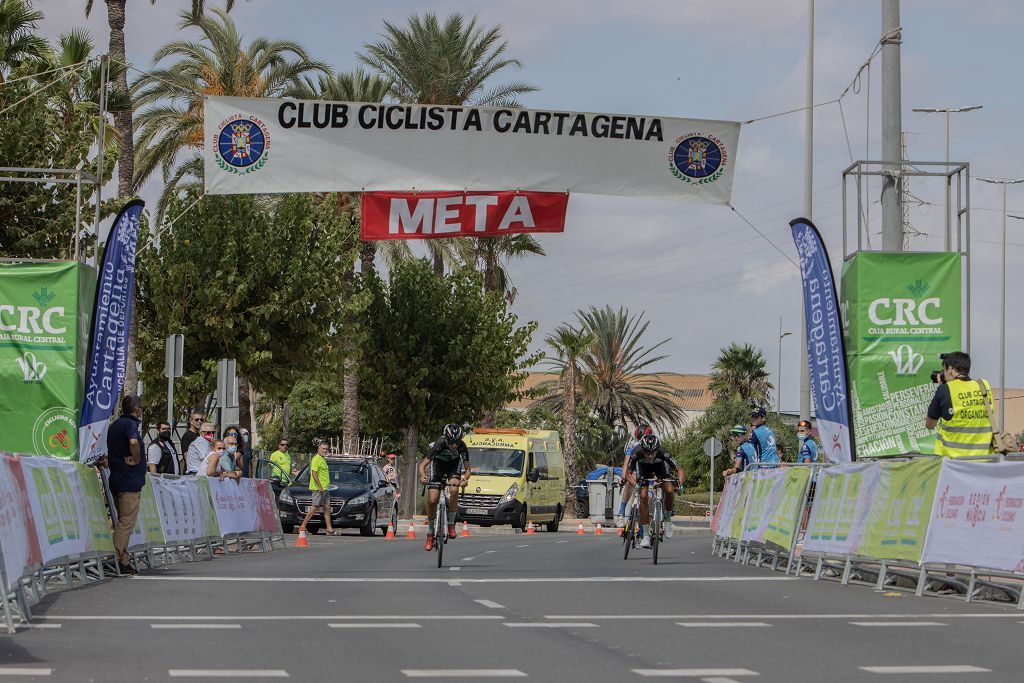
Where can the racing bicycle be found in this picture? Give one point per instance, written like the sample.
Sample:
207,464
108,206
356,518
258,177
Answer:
441,522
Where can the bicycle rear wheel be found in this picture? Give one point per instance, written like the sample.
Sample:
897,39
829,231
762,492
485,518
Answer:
656,528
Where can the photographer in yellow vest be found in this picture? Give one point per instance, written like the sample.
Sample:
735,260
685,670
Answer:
959,410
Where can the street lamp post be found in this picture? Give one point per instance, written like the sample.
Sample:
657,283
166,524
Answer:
1002,302
949,185
778,387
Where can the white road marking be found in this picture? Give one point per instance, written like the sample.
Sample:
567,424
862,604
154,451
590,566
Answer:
38,625
467,559
227,673
541,624
753,617
718,679
381,625
926,669
24,671
694,673
277,617
721,624
897,623
379,579
488,552
526,545
188,626
490,603
463,673
557,542
454,569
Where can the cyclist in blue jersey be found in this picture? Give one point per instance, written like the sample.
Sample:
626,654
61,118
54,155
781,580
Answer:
642,430
762,438
808,446
744,454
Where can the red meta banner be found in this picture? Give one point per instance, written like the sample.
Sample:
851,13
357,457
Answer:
431,215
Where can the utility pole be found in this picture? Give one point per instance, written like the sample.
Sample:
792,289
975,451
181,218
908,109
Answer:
805,369
892,128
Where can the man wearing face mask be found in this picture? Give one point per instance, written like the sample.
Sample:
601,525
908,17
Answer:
231,461
199,449
160,456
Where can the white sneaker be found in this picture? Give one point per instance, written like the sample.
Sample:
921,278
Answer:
668,530
620,521
645,542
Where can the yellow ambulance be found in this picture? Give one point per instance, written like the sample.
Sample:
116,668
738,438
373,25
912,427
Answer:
518,476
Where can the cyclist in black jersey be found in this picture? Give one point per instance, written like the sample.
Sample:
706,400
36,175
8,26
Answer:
446,464
649,461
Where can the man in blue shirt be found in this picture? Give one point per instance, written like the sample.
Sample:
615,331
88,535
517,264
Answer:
127,476
762,438
808,446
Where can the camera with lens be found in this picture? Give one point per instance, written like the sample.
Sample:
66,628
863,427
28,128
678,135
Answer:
938,376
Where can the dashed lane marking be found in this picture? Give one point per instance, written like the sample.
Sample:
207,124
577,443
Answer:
525,545
467,559
463,673
454,569
379,625
721,624
694,673
21,626
24,671
196,626
897,623
926,669
490,603
542,624
227,673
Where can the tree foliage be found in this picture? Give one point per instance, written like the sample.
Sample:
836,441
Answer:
248,278
740,372
436,350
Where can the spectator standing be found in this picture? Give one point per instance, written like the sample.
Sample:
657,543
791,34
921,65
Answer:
218,463
282,459
161,457
743,454
195,420
319,487
808,452
127,476
391,474
199,449
246,449
234,447
960,409
762,438
231,459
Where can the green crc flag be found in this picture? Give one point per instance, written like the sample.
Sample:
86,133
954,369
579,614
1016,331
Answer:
44,327
901,310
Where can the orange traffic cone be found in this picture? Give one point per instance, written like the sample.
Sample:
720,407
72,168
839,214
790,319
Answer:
621,531
579,530
465,529
529,527
390,535
302,542
411,531
598,531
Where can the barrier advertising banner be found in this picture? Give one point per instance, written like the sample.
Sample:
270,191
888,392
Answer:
108,343
184,508
147,524
977,517
41,322
235,504
784,516
763,494
902,310
826,354
841,502
17,526
721,524
427,215
272,145
269,519
899,513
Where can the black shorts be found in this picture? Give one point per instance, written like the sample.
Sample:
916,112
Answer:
439,473
653,470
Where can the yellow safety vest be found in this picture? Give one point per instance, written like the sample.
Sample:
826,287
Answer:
969,431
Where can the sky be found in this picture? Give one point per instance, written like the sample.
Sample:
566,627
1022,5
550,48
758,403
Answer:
699,274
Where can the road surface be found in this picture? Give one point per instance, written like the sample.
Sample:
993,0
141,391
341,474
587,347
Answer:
549,607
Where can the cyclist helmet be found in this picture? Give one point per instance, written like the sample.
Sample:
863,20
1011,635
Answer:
738,430
650,443
452,432
642,430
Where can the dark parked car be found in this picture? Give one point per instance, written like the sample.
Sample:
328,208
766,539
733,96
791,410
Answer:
361,497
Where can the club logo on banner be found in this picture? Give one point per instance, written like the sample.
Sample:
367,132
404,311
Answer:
110,322
698,158
429,215
826,352
241,145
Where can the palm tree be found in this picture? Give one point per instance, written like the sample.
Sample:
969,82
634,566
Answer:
740,373
217,64
492,253
569,345
618,389
18,41
449,64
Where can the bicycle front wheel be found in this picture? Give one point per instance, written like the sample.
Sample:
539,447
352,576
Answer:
656,523
441,532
